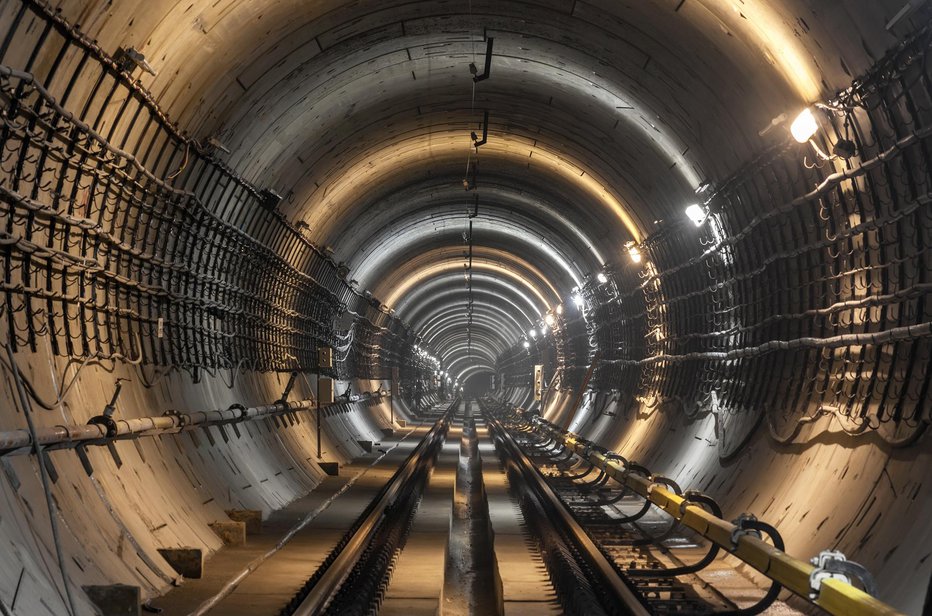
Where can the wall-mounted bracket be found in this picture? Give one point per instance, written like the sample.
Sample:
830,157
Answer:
488,63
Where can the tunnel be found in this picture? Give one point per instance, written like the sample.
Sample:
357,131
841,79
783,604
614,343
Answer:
473,307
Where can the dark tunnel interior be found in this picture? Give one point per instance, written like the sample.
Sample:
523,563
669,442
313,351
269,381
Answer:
692,232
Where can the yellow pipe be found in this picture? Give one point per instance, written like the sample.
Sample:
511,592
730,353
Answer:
835,596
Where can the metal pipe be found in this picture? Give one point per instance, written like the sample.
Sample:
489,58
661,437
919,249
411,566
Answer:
18,442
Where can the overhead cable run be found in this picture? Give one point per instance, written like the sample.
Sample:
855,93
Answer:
143,303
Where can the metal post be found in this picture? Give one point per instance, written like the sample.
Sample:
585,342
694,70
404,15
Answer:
391,399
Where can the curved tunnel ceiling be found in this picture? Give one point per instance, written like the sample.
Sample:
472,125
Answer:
605,117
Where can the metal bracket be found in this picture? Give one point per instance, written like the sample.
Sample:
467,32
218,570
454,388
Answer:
833,565
288,387
488,63
746,525
105,419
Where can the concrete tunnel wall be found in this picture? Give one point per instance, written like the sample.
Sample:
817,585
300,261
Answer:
327,125
169,489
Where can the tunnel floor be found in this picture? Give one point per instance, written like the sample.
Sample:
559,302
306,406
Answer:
418,580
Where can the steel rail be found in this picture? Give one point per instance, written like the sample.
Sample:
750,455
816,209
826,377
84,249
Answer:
329,582
535,483
834,596
19,442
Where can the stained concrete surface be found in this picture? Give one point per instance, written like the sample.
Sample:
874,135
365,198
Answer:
268,588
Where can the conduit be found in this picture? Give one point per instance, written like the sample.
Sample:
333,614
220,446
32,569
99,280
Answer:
833,595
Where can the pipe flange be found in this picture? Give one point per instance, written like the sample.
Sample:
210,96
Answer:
236,406
183,418
109,424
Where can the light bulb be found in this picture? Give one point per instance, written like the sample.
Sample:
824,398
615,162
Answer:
527,344
549,320
602,278
804,126
578,300
532,333
697,214
560,309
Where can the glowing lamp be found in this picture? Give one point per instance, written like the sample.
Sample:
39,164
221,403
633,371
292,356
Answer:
804,126
697,214
602,278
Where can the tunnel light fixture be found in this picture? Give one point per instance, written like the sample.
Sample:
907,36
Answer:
560,309
602,278
532,333
697,214
527,344
578,300
634,252
804,126
549,320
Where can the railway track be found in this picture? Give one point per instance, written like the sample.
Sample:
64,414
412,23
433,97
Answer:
637,570
354,576
590,543
663,542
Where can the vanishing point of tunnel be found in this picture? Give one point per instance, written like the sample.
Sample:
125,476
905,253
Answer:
524,307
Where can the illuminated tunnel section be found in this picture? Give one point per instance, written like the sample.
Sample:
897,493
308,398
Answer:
707,221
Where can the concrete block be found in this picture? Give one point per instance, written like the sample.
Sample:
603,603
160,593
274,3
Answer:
331,468
188,562
230,532
366,446
251,517
115,599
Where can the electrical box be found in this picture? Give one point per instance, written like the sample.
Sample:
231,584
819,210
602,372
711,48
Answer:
325,391
325,357
538,382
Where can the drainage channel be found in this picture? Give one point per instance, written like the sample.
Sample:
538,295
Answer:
471,580
354,576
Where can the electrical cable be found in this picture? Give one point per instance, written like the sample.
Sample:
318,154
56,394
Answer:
44,477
